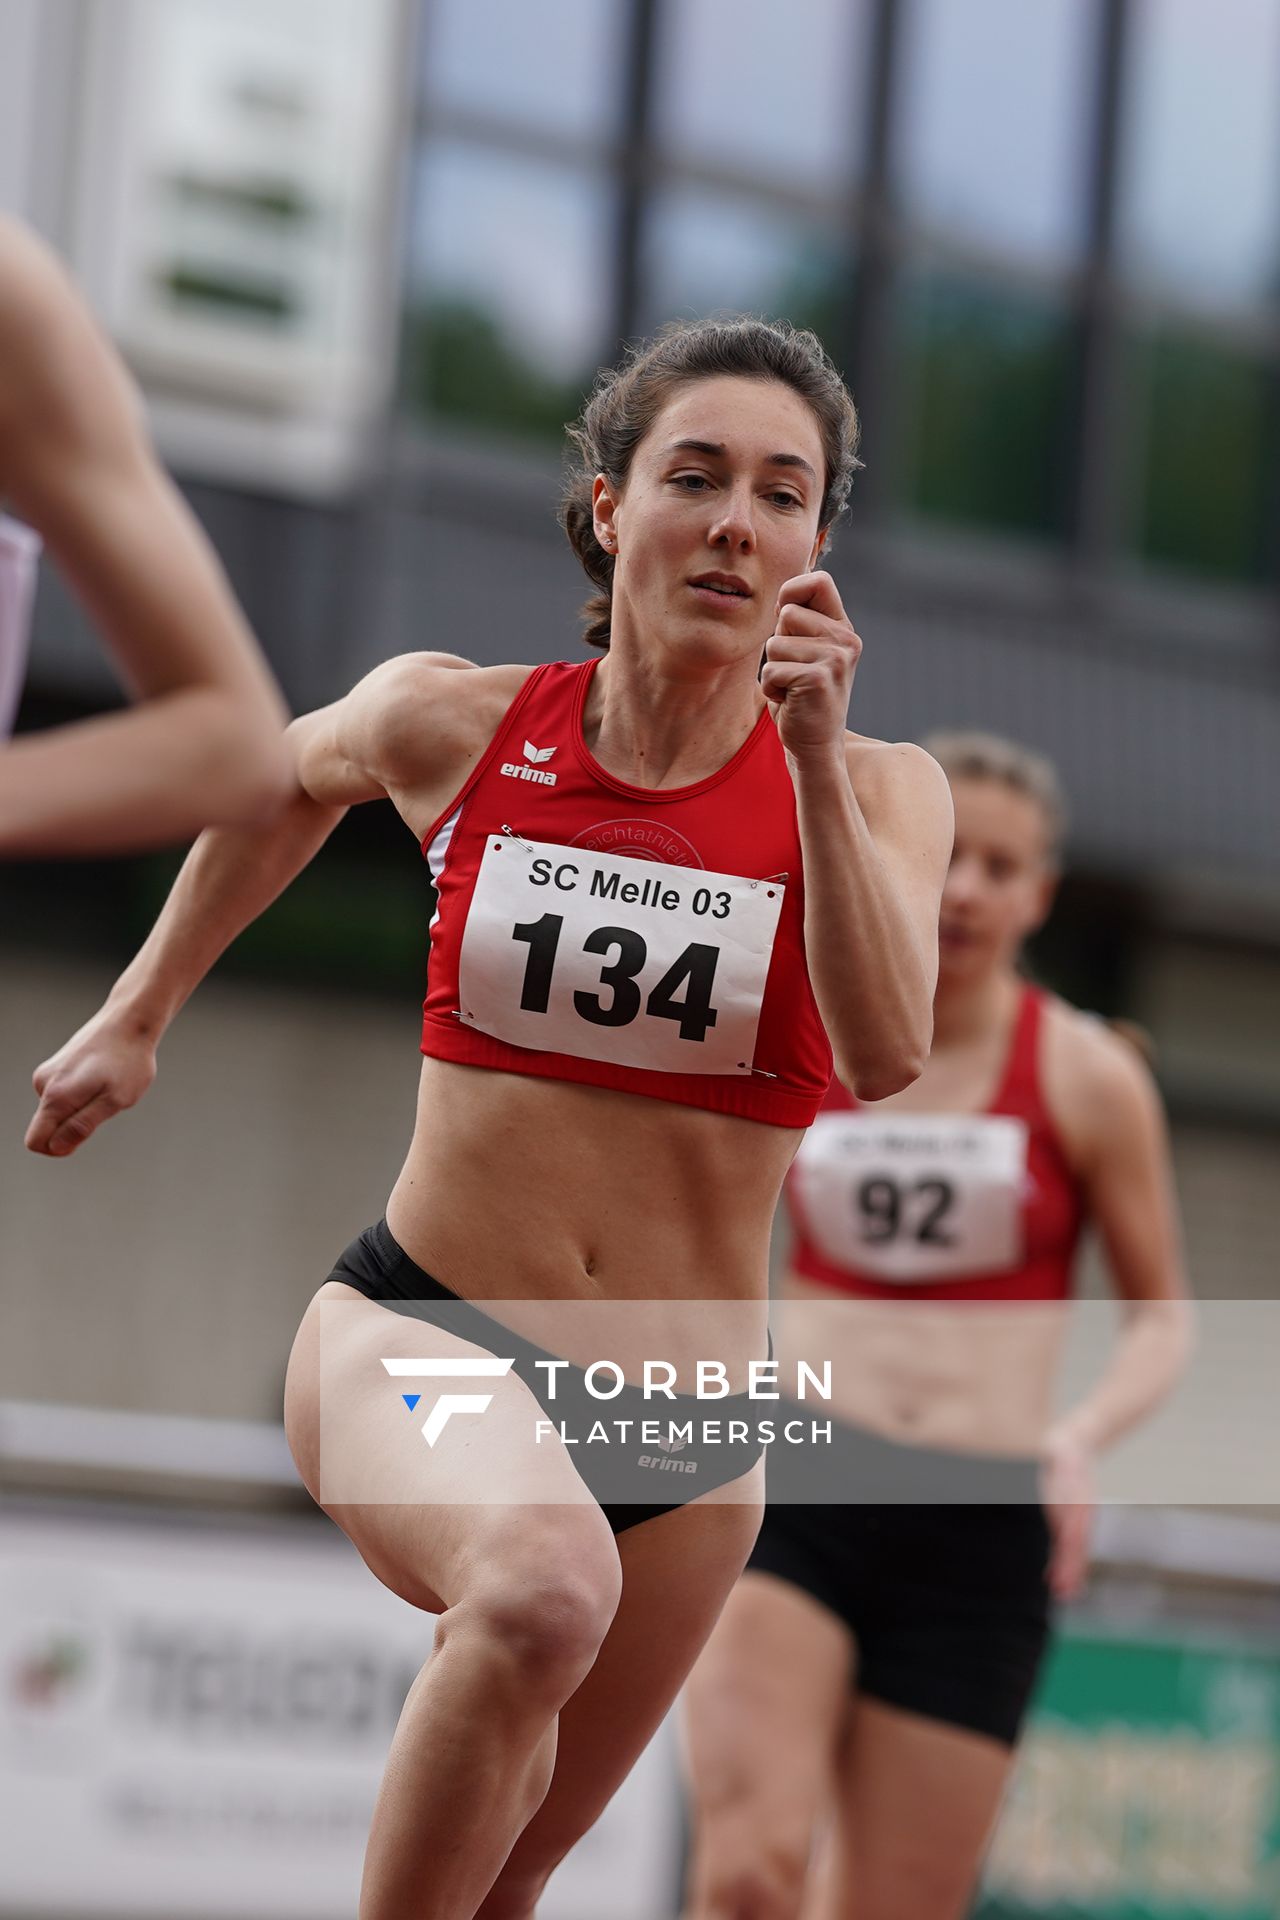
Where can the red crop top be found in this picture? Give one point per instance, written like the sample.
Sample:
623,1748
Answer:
951,1206
646,939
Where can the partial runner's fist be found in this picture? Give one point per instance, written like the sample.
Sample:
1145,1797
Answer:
809,664
104,1068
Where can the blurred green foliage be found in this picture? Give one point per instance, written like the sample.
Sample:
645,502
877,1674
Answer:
987,375
1202,501
459,364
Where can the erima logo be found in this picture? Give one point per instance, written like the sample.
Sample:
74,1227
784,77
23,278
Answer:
448,1403
536,770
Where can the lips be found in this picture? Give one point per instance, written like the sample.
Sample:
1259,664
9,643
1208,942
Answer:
724,586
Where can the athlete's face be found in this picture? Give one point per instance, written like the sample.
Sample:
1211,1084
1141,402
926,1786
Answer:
1000,883
720,508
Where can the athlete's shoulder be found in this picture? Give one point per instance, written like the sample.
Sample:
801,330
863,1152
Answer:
891,760
893,776
1096,1081
413,706
1090,1045
407,674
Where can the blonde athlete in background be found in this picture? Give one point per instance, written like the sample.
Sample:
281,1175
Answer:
203,744
617,1074
878,1657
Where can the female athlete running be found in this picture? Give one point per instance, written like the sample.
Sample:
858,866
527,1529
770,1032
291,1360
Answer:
874,1663
664,877
203,743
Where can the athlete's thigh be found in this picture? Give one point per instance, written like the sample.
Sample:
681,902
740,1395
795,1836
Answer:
766,1702
427,1517
676,1572
894,1768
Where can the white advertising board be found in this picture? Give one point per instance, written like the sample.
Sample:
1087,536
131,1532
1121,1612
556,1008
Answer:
194,1719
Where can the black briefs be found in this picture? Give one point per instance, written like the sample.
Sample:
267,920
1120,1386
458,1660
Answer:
623,1475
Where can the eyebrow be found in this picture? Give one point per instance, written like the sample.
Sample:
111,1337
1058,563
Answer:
716,450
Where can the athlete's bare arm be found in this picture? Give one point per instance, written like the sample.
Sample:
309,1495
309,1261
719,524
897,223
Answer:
1109,1115
1111,1118
75,462
876,827
411,730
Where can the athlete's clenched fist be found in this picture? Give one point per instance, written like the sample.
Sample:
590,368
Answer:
809,664
101,1070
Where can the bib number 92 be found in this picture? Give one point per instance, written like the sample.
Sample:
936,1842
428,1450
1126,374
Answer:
625,952
890,1209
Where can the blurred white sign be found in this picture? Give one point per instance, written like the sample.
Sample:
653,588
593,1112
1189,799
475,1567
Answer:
233,222
194,1720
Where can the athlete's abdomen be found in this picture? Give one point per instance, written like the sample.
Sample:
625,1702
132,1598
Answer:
518,1187
974,1375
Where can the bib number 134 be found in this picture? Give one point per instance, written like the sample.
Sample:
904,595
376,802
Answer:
612,958
694,970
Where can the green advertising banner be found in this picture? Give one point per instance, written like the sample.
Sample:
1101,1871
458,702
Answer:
1148,1787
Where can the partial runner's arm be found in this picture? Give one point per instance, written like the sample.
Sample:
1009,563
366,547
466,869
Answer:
204,741
409,730
1109,1114
876,829
1113,1119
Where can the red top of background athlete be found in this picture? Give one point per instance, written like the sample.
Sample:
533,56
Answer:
969,1188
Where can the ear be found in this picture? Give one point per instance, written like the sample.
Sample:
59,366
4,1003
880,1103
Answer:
604,505
819,548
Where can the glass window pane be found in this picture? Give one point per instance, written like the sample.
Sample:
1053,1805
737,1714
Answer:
993,121
710,253
508,288
1204,476
549,63
988,373
1200,211
772,90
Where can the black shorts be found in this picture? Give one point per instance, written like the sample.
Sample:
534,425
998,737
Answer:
948,1604
622,1476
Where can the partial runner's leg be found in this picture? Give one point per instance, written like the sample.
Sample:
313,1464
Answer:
765,1707
525,1593
887,1863
677,1570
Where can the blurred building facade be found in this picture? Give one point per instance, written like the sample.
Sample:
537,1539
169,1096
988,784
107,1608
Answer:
366,258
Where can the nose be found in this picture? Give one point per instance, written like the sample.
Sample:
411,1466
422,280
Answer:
962,882
733,528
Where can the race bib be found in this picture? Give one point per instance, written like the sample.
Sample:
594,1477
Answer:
611,958
915,1197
